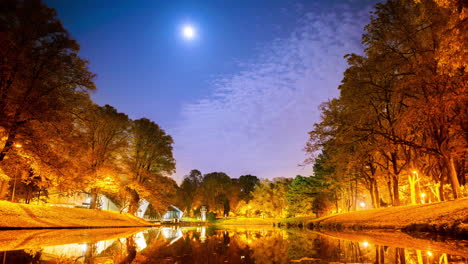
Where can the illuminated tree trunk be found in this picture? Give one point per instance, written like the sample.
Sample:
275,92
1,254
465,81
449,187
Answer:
379,255
412,182
400,255
435,189
94,198
389,188
443,259
457,193
355,194
441,191
396,193
3,189
419,255
374,192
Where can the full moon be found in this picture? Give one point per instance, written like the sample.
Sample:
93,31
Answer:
188,32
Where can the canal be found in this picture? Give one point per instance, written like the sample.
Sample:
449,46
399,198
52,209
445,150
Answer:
206,245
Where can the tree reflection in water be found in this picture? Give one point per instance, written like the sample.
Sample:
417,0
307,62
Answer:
209,245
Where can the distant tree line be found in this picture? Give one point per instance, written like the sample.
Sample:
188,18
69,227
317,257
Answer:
53,138
249,196
216,191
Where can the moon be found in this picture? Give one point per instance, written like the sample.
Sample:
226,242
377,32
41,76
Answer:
188,32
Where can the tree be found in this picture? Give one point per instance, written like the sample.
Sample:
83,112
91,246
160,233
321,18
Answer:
269,197
104,136
401,101
247,184
189,187
302,193
150,160
322,204
42,78
413,34
214,191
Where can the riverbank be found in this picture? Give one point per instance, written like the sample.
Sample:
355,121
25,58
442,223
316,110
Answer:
25,216
447,218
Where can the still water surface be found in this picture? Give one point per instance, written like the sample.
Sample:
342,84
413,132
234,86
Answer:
206,245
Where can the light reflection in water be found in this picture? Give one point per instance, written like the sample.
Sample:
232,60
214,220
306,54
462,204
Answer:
208,245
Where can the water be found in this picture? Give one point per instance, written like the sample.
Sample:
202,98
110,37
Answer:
206,245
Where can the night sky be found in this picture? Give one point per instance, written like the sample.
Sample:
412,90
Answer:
241,96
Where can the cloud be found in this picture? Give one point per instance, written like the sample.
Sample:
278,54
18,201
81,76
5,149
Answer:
256,121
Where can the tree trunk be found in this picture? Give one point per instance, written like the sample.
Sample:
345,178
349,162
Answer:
355,194
372,193
377,194
3,189
94,199
9,142
134,201
441,191
390,193
400,255
412,182
457,193
396,193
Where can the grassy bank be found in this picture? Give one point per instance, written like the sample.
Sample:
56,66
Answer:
17,216
449,217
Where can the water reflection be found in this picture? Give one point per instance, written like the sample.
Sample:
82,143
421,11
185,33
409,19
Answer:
208,245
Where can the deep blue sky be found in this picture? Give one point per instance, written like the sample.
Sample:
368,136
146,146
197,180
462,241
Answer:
241,97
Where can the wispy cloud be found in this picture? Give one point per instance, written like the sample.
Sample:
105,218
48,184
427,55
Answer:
256,121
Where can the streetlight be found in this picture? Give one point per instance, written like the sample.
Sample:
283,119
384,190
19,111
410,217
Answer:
423,195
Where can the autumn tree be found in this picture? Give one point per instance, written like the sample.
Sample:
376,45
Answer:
103,135
413,35
269,197
42,78
247,184
189,188
214,192
150,161
302,193
402,103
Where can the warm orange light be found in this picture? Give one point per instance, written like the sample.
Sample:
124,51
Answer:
415,172
18,145
365,244
423,195
362,204
429,253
